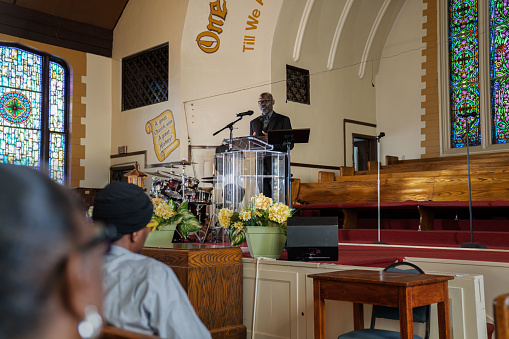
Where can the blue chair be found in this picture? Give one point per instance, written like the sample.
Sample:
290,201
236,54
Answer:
420,314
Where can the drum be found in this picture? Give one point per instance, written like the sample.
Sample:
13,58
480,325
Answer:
173,188
203,197
190,195
191,183
200,211
157,188
166,188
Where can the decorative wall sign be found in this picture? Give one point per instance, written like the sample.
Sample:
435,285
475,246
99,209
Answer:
15,108
163,132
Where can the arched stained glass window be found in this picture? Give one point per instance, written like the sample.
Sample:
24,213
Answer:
464,72
468,33
33,110
499,70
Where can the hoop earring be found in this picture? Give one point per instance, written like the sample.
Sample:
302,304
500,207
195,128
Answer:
90,326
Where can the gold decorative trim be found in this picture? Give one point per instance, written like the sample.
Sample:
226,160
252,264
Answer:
431,131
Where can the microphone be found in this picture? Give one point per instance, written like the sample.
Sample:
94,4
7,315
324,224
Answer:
244,113
302,202
381,135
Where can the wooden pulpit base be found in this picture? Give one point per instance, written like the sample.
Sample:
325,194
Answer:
212,277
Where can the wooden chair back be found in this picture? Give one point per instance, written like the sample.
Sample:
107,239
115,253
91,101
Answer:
501,308
112,332
325,176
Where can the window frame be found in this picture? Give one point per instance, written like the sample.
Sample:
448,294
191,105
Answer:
484,83
45,105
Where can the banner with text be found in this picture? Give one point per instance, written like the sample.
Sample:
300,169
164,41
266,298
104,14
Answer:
162,129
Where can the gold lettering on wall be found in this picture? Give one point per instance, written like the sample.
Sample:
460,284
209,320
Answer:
251,24
162,128
208,41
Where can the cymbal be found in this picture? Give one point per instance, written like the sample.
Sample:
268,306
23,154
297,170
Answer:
207,178
167,165
162,175
183,162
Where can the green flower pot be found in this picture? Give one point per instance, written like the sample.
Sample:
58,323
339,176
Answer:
161,238
266,242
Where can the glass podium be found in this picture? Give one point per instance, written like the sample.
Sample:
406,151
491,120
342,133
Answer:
250,168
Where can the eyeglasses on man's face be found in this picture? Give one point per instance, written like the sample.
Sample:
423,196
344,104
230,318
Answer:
264,101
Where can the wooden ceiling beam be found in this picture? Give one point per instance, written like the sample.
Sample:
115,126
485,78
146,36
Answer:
33,25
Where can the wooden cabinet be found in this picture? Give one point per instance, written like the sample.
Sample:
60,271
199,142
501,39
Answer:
212,277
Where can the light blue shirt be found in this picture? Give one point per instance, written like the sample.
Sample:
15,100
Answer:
144,295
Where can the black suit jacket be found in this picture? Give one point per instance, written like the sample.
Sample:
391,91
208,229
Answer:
276,122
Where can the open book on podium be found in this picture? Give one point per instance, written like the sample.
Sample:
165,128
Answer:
248,144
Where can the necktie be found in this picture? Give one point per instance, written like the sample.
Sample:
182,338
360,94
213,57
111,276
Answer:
265,122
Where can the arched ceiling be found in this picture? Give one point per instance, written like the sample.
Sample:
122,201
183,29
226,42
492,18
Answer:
349,31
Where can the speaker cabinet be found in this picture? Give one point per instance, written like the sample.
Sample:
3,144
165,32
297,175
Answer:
312,238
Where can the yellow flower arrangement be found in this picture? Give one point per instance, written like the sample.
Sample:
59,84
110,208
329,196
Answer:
262,211
167,212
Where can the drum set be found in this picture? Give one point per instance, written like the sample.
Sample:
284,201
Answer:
167,184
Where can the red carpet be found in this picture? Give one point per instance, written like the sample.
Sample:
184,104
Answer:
383,255
440,238
356,247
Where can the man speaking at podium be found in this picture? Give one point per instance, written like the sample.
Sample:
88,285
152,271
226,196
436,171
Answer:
269,120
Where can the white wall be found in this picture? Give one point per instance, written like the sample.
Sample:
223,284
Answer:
143,25
216,86
398,85
97,121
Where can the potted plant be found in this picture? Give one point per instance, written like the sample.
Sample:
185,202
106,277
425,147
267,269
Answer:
262,224
166,218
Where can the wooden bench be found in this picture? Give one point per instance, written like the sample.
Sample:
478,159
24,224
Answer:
501,312
477,161
427,191
112,332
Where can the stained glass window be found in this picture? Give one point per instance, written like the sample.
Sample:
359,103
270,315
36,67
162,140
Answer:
465,87
33,110
464,72
499,70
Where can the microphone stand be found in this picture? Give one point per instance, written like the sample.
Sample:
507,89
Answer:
470,244
382,134
230,126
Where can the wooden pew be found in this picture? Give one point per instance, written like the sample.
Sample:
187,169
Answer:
112,332
477,161
501,312
446,186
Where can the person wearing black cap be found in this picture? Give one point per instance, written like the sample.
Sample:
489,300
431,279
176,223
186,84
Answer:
141,294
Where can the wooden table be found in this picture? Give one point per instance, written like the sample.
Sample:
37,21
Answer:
402,290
